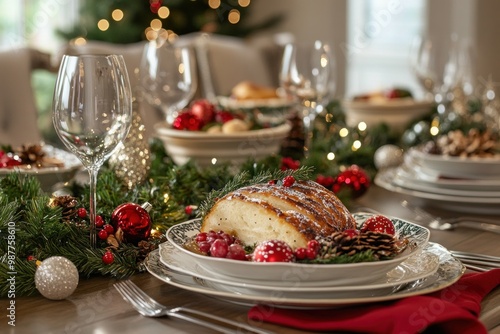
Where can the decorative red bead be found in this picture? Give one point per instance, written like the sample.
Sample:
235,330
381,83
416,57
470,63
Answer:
103,235
82,212
288,181
108,257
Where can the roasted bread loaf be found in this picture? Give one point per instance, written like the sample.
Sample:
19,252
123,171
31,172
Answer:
294,214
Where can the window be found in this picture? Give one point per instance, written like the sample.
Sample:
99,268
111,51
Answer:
380,33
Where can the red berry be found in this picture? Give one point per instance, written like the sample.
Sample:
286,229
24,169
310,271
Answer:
82,212
103,235
99,222
187,121
108,258
204,246
379,223
202,236
188,210
351,233
301,253
288,181
236,252
203,110
273,251
313,244
272,182
109,229
219,248
223,116
311,253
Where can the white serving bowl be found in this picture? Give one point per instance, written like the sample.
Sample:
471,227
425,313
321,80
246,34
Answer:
207,149
397,113
291,272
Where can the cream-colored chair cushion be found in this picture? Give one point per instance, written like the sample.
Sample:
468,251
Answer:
18,111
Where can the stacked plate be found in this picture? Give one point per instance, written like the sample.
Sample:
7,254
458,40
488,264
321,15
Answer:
461,184
421,269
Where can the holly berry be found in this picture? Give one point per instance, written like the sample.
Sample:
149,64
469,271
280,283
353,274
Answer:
103,235
379,223
288,181
109,229
351,233
271,182
82,212
300,253
108,257
99,221
273,251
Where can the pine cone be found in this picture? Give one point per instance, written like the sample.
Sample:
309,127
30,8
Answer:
68,205
145,248
381,244
31,154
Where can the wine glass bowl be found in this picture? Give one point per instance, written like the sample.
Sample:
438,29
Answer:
307,76
92,111
168,77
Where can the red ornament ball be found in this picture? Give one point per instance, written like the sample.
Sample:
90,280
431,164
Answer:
204,111
134,221
187,121
108,257
354,179
379,223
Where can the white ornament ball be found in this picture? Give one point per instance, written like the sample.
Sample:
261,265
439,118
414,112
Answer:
56,278
387,156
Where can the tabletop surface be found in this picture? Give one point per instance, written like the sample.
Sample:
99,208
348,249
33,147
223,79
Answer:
96,307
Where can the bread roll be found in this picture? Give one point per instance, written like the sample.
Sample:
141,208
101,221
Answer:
247,90
294,214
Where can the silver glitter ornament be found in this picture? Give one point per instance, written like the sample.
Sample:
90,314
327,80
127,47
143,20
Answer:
388,156
131,163
56,278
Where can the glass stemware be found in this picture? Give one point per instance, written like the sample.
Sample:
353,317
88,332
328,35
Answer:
92,112
436,66
307,76
168,77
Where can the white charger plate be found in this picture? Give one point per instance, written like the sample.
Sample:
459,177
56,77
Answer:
337,274
415,267
458,167
50,176
449,271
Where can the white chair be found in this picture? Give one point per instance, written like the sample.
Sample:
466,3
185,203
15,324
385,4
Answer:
18,111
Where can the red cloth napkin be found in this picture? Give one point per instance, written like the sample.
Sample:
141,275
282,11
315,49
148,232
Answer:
454,309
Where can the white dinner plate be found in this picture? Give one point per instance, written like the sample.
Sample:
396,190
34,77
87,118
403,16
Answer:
458,167
406,178
337,274
50,176
415,267
481,205
449,271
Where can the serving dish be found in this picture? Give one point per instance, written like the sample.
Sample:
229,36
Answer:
449,271
397,113
207,149
337,274
415,267
457,167
49,176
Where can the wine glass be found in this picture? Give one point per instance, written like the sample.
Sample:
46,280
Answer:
92,112
308,77
436,66
168,76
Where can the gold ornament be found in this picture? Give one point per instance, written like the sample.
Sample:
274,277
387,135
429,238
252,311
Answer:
131,163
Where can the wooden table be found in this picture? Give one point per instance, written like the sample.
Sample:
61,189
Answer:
96,307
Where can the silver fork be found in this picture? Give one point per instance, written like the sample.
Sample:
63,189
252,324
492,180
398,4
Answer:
149,307
445,224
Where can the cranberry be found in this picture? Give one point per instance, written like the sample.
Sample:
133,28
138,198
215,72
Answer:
236,252
219,248
288,181
301,253
109,229
351,233
99,222
201,237
204,246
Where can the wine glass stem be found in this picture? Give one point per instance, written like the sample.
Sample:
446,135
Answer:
92,200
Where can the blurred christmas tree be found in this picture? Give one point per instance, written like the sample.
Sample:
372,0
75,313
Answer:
126,21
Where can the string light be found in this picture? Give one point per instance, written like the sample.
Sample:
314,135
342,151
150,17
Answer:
244,3
156,24
163,12
234,16
330,156
343,132
356,145
103,24
214,4
117,14
362,126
